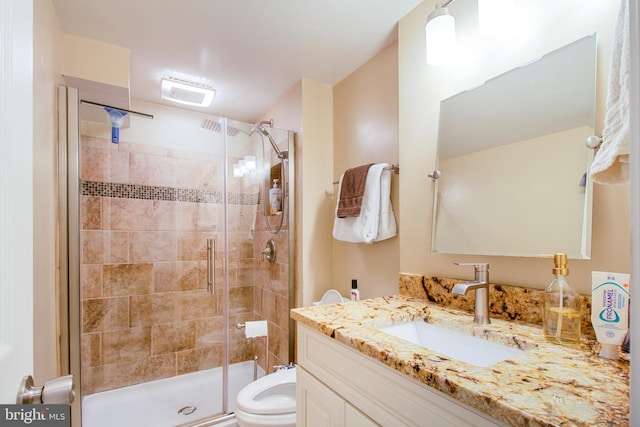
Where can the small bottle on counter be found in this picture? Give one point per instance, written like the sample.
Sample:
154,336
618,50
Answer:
561,317
355,293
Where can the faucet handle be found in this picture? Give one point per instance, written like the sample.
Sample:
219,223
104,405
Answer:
478,266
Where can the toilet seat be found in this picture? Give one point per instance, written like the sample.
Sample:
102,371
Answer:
270,395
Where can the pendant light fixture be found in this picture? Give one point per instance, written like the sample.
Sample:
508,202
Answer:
440,33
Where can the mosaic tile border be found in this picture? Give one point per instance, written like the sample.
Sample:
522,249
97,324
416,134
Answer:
150,192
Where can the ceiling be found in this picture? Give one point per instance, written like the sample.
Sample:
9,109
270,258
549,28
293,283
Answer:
252,50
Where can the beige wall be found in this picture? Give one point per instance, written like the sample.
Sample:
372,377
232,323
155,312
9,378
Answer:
421,89
46,68
307,109
95,61
287,114
365,116
315,167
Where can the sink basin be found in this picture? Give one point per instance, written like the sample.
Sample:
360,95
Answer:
466,348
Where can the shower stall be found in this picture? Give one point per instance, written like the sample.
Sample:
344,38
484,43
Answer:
163,244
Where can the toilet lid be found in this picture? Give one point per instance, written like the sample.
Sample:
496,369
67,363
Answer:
271,394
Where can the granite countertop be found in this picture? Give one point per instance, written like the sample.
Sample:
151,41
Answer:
546,385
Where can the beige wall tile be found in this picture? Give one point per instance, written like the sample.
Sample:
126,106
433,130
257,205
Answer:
193,173
127,279
176,276
92,247
103,314
90,349
241,299
128,214
138,148
199,359
147,169
91,213
210,331
206,217
95,163
192,246
118,166
116,246
155,309
152,246
116,375
126,345
244,349
164,215
90,281
174,337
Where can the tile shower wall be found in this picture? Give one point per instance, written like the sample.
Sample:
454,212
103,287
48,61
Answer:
271,291
146,213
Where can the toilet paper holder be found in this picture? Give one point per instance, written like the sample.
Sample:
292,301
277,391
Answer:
266,345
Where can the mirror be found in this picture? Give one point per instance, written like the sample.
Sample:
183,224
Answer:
512,160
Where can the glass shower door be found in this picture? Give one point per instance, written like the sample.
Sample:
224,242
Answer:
153,319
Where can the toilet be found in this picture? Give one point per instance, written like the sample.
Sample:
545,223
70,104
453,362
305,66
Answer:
271,400
268,401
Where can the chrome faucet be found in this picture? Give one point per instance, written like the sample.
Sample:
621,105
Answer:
481,285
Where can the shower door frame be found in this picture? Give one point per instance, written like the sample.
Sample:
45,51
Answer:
68,254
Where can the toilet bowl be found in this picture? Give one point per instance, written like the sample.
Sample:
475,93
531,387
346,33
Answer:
268,401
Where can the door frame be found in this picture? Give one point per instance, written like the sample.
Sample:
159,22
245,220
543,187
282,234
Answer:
69,239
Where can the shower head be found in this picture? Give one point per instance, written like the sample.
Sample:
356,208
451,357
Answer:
259,128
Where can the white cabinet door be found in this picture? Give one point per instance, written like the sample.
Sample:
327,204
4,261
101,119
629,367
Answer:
354,418
318,405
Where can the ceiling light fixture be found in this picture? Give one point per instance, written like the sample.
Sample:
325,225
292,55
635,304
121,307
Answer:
187,92
440,33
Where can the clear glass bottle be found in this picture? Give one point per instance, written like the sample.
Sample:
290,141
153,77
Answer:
561,318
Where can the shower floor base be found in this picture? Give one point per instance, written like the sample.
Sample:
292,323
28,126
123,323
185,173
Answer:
169,402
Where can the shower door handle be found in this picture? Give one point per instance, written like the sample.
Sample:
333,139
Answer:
211,267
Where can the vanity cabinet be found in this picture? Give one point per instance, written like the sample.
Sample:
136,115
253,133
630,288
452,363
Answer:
319,406
339,386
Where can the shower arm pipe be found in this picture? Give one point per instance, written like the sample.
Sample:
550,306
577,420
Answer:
135,113
259,127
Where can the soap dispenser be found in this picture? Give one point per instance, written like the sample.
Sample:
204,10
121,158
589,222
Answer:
275,198
561,317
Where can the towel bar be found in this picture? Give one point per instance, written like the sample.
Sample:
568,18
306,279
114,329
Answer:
395,168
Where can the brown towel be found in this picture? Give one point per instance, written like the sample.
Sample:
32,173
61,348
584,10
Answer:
352,190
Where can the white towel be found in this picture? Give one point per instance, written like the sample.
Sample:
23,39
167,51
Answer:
376,221
611,163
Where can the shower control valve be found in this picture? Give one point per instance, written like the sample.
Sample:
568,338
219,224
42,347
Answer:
269,251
